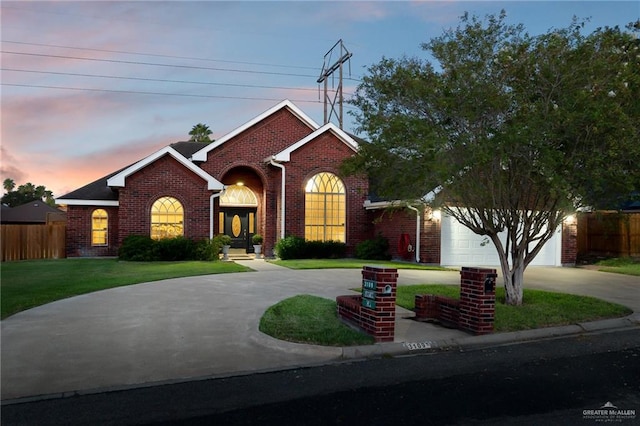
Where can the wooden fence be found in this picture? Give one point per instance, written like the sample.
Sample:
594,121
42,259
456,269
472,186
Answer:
609,234
22,242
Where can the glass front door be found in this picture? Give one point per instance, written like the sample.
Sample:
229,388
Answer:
239,224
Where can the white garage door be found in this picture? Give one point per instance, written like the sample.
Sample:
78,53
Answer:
461,247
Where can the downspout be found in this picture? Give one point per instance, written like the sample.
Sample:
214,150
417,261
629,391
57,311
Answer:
282,191
417,251
216,195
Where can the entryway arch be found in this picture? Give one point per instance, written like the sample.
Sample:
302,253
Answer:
238,208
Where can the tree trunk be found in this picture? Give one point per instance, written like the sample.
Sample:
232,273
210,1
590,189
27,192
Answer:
513,282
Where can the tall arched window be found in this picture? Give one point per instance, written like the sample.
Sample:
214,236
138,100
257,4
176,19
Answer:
99,227
325,208
167,218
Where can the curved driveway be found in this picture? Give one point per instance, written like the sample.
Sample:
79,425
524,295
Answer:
208,326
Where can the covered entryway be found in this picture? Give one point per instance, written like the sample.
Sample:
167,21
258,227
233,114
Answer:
461,247
238,211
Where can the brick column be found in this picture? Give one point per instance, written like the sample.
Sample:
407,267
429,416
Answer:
569,242
477,300
378,313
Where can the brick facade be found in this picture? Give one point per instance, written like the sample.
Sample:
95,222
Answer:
78,232
244,157
392,224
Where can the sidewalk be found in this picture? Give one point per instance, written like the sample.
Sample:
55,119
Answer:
207,326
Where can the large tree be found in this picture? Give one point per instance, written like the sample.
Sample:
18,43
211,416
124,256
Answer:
25,194
514,131
200,133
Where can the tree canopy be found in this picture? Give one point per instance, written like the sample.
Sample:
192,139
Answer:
25,194
200,133
514,131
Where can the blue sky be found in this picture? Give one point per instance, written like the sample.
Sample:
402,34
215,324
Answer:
89,87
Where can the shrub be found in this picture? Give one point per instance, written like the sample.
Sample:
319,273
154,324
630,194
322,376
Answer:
138,248
142,248
298,248
222,239
207,250
291,248
177,248
375,249
256,239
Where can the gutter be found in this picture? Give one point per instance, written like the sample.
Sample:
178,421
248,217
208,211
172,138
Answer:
213,196
273,162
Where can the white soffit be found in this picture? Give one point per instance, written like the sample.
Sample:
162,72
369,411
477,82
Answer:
76,202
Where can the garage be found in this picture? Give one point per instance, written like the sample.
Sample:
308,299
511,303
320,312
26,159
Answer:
461,247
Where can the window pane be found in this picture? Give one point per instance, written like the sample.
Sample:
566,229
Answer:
167,218
325,208
99,227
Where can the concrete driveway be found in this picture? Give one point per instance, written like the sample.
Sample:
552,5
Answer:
207,326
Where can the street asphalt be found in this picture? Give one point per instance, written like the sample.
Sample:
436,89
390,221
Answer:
207,326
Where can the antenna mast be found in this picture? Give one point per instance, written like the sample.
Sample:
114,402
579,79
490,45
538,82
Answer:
328,70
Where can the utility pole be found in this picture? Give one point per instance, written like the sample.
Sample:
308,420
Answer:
328,69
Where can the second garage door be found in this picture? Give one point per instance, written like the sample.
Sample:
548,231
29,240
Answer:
461,247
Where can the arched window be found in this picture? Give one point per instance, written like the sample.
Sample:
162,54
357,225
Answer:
99,227
325,208
167,218
238,196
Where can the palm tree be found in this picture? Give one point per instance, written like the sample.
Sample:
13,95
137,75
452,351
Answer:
200,133
9,184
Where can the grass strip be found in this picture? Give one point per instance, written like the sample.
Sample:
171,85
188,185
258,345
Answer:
352,264
620,265
539,309
312,320
27,284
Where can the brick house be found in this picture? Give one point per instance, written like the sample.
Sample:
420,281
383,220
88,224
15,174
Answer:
276,175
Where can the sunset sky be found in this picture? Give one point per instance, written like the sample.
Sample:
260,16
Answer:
89,87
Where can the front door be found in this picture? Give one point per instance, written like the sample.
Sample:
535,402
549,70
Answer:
236,225
239,224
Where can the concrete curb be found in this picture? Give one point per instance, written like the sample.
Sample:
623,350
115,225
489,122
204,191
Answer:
485,341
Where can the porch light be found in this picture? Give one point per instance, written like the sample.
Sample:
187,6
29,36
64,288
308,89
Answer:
570,219
436,215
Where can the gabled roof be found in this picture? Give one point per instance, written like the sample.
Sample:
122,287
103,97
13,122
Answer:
329,127
188,148
96,193
202,154
119,179
32,212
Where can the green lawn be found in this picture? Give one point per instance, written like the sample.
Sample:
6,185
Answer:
310,319
620,265
350,264
28,284
540,308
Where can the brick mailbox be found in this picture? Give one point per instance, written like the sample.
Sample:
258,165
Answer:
374,311
477,300
474,311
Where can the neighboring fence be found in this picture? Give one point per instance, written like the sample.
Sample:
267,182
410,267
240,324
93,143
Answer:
608,234
22,242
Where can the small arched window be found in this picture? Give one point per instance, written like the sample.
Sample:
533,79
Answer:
99,227
325,208
167,218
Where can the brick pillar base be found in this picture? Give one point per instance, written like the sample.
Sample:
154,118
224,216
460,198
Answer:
477,300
